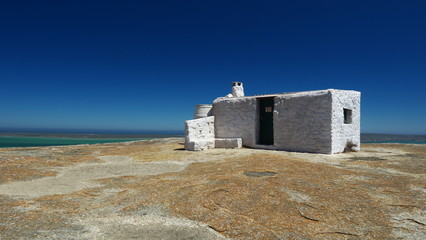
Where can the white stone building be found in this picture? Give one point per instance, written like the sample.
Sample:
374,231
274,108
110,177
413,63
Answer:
324,121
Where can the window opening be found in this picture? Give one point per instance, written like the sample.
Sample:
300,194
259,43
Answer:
347,116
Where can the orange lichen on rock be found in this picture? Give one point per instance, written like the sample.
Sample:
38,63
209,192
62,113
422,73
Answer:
378,193
302,198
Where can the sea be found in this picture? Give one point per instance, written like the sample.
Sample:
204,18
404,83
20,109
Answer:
36,138
392,138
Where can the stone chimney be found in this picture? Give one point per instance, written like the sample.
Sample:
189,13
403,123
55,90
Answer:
237,89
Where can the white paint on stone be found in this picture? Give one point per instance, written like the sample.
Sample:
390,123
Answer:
236,118
202,110
303,122
199,134
346,135
324,121
237,89
228,142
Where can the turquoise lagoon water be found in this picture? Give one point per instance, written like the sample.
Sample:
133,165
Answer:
6,142
11,139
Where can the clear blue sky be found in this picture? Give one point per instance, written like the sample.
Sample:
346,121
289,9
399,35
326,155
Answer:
143,65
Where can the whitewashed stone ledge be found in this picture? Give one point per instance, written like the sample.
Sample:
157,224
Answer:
199,145
199,134
228,142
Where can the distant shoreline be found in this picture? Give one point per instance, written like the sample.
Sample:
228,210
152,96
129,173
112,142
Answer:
395,142
89,136
87,133
10,140
392,138
33,139
13,142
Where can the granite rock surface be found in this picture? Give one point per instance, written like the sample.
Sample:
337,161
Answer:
156,190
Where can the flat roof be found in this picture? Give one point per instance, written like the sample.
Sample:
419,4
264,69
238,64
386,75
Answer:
301,93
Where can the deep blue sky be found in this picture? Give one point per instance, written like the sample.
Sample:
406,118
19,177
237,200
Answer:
144,64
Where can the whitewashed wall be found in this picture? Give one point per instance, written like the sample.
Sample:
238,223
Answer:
236,118
343,134
302,122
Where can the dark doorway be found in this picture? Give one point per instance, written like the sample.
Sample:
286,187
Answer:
266,120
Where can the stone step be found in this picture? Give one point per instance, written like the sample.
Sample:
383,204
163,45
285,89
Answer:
228,142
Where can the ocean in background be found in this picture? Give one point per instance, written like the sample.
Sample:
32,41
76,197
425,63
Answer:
6,142
392,138
37,138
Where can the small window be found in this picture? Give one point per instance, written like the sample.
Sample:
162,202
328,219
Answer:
347,116
268,109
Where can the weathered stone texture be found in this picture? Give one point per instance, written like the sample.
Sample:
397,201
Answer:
345,135
236,118
202,111
302,122
199,134
237,91
228,143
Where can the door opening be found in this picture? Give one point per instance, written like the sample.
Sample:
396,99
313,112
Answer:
266,120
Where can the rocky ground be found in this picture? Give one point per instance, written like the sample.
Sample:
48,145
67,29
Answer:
156,190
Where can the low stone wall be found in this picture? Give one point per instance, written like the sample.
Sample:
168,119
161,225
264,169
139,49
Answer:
199,134
228,143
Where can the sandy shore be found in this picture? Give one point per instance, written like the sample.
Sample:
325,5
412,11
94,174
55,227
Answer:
156,190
